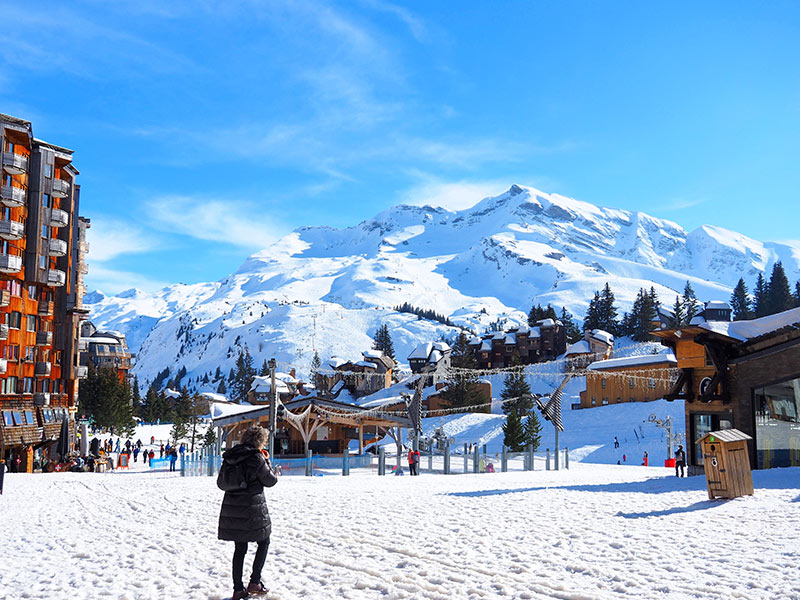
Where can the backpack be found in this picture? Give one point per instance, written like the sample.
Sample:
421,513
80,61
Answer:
232,477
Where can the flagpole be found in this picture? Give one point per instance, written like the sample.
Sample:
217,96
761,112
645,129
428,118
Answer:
556,428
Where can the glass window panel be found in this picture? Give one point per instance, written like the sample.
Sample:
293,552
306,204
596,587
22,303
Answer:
777,409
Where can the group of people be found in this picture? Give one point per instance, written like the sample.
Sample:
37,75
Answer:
413,461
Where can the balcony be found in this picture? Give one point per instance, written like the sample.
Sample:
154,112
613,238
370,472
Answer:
15,164
3,366
10,263
57,247
43,369
56,277
13,196
58,218
81,372
41,399
45,308
11,230
3,331
5,298
44,338
60,188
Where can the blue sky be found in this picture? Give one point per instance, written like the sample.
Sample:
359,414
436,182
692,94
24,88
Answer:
204,130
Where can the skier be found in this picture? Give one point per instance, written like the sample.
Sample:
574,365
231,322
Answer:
244,516
616,442
644,459
680,461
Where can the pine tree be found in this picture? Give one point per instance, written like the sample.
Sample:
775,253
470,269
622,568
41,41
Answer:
242,377
383,341
463,391
217,374
533,430
516,394
264,371
513,433
210,437
178,431
740,302
761,297
461,355
573,333
678,318
607,311
316,363
221,387
797,293
780,297
642,316
537,313
106,399
690,303
592,319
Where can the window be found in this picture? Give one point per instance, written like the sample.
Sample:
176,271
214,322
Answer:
11,352
652,384
8,385
594,401
8,420
42,262
32,292
28,385
30,322
619,400
18,420
603,384
630,383
47,415
48,171
57,386
14,319
46,386
30,353
46,200
15,287
605,401
29,418
45,231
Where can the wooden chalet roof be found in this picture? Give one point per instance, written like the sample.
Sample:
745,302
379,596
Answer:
349,414
726,435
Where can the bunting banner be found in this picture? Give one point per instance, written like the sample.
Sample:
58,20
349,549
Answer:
552,410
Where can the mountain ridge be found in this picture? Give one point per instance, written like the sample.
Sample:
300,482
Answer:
328,289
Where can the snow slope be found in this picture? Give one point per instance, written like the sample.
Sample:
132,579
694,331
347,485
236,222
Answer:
330,289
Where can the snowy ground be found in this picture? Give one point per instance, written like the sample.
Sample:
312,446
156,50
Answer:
595,531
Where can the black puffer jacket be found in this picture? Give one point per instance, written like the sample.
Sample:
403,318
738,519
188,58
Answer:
244,516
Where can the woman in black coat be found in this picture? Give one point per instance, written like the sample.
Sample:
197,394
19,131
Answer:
244,516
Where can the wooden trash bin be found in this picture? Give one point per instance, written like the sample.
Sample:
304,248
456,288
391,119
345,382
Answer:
727,463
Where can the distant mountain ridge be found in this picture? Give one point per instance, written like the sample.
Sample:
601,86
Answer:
329,289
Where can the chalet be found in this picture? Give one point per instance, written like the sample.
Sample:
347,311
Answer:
359,378
430,355
741,375
105,349
261,389
545,341
632,379
595,345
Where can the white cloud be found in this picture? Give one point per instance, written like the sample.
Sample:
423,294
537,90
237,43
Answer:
109,238
453,195
242,224
112,281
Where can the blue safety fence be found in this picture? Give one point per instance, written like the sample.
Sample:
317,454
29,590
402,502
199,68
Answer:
197,465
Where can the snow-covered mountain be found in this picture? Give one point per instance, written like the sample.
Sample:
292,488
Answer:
329,289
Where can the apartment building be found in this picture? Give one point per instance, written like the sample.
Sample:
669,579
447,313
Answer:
42,263
104,349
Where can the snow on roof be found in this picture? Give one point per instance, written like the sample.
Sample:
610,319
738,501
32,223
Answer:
441,346
603,336
726,435
421,352
366,364
172,393
633,361
226,409
581,347
745,330
511,338
214,396
287,377
718,305
263,385
383,402
475,340
435,356
535,332
499,335
486,345
372,353
546,323
104,340
337,386
523,329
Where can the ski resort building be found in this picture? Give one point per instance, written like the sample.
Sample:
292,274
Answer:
741,375
360,378
42,252
104,349
545,341
595,345
633,379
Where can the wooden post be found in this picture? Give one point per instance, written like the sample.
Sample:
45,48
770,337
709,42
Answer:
360,438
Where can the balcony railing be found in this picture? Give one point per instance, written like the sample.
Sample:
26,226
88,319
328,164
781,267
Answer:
81,372
57,247
45,308
3,366
83,344
56,277
13,196
41,399
11,230
60,188
5,298
16,164
43,369
3,331
10,263
58,218
44,338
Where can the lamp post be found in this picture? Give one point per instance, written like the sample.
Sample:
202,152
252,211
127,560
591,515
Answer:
667,425
273,402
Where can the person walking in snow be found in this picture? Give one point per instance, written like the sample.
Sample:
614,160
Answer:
616,442
680,461
173,458
644,459
412,462
135,453
244,516
161,451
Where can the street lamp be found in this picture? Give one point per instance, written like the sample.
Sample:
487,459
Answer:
273,402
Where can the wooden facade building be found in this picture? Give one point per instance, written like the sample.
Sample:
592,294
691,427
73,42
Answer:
634,379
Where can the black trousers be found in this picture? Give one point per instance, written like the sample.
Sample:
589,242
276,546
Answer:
679,465
258,562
